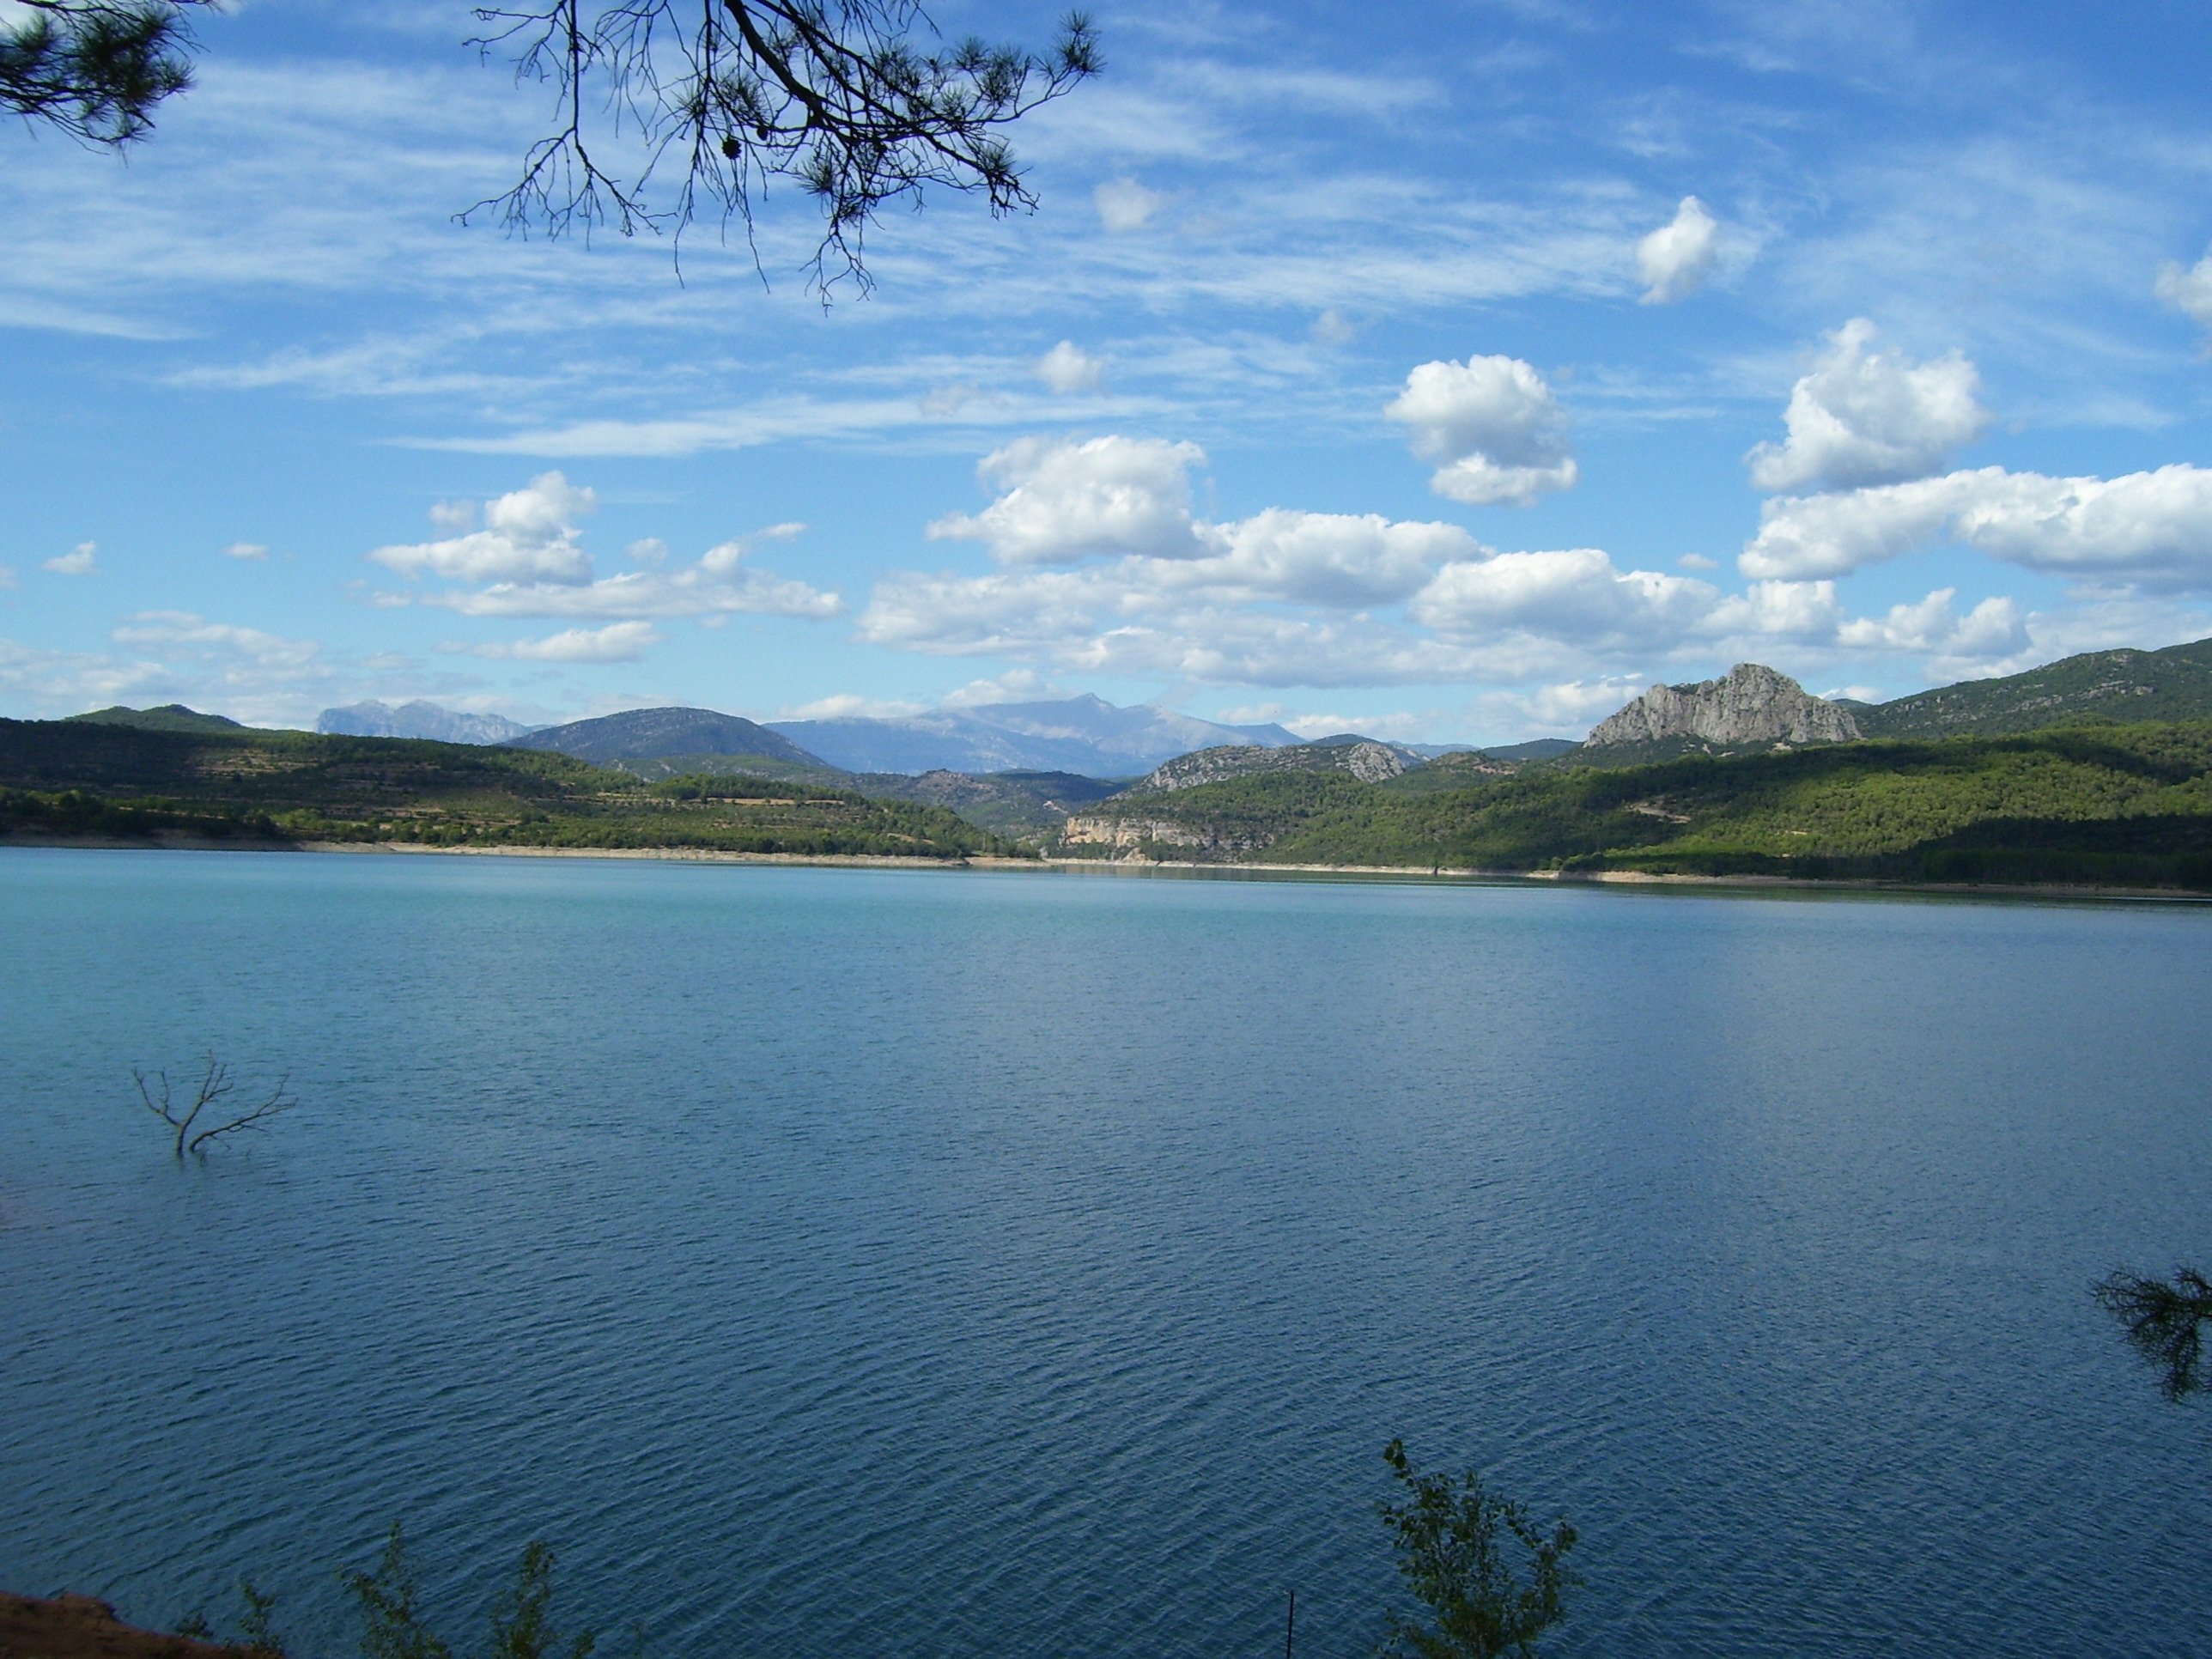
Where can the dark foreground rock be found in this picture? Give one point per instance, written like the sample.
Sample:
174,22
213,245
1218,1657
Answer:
78,1627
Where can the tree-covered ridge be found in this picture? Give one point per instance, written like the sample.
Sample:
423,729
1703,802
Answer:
2109,804
74,779
2123,686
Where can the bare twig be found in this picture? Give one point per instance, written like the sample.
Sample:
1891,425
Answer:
215,1085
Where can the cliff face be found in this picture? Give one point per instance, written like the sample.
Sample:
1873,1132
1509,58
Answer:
1751,705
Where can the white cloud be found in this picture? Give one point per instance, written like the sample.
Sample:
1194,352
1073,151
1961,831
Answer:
1493,423
1864,416
1065,502
1338,561
7,575
528,535
246,550
2149,527
194,633
1124,205
1697,561
2188,290
1334,328
1015,685
1068,367
719,585
1995,627
1575,593
528,561
852,706
621,642
1675,260
1108,570
79,561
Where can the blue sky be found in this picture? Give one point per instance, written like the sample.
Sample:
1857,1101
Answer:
1451,375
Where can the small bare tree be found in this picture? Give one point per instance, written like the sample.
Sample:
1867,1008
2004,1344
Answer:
215,1085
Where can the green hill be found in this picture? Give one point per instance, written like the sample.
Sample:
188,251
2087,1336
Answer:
79,778
169,717
2126,686
639,735
2109,804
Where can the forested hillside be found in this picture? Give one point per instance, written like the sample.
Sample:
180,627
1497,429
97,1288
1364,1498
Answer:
95,779
2108,805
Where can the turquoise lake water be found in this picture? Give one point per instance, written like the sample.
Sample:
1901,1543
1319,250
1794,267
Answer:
903,1262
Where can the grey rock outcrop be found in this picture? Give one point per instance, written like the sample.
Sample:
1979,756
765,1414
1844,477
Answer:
1751,705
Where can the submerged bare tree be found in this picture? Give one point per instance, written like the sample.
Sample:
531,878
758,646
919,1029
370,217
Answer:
94,69
2164,1321
216,1086
857,101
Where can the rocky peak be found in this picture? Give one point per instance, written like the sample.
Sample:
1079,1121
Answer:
1752,704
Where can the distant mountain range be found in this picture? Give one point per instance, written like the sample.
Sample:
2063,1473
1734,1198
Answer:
418,720
1085,735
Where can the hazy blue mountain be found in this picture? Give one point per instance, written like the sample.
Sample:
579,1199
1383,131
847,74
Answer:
416,720
641,733
1084,735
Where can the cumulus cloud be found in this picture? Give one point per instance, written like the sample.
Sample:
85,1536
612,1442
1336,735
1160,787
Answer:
2154,527
1492,424
528,560
1106,567
1124,205
1063,501
1574,593
1675,260
2188,290
250,551
1995,627
621,642
1015,685
1864,416
1068,367
528,535
79,561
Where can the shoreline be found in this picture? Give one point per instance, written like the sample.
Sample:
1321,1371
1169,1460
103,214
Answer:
1627,878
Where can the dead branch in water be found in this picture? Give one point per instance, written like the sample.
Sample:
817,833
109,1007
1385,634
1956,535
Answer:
215,1085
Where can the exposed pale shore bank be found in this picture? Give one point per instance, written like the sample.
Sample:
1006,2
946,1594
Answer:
1394,872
